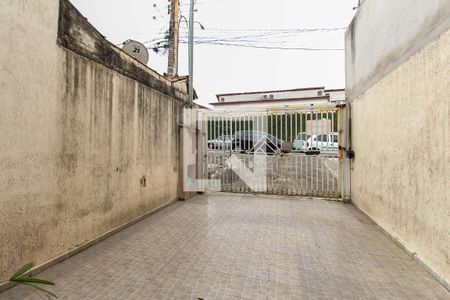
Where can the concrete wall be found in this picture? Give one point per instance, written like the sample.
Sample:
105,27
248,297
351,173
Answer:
89,137
399,93
385,33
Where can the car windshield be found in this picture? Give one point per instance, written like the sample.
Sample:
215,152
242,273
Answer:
303,136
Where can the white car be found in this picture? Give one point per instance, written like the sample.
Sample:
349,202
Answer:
323,142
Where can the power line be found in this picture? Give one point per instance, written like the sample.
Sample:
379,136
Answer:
255,46
277,29
255,35
258,33
261,40
272,47
203,3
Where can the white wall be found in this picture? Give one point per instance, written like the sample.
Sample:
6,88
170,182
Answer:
268,104
277,95
336,95
385,33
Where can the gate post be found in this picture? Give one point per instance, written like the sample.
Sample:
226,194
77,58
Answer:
344,162
202,141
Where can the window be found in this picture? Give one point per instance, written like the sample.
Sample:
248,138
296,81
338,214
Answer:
303,136
319,93
322,138
335,138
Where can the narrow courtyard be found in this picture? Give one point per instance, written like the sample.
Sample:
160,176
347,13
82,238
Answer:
234,246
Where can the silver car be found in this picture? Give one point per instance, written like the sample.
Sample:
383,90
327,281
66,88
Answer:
300,141
222,142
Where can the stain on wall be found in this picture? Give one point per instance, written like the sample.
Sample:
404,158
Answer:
400,134
384,34
78,135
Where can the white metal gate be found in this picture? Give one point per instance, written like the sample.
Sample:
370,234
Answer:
288,151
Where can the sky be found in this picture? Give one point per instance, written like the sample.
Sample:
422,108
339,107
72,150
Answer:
250,29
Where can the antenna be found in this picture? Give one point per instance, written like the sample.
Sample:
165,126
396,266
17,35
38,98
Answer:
136,50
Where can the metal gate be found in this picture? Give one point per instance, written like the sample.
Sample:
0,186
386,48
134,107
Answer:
283,151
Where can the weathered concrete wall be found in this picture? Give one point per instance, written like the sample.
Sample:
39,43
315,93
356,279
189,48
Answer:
400,132
89,136
385,33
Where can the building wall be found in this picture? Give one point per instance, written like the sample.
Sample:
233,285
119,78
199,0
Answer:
269,104
336,96
89,136
400,123
276,95
385,33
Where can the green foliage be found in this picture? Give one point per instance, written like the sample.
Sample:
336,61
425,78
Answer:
20,278
285,126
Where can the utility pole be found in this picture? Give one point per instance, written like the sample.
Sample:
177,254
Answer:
174,33
191,53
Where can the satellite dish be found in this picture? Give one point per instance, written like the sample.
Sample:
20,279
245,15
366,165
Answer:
136,50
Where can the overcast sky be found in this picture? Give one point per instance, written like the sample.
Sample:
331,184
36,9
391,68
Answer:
251,23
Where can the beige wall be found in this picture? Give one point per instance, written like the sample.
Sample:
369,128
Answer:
76,140
401,171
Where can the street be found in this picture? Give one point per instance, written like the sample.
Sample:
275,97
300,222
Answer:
290,174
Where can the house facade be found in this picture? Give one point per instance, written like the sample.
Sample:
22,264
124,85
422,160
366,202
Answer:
300,97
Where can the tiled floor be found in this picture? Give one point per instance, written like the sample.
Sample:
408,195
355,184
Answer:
230,246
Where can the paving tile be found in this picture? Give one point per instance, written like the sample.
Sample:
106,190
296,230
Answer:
234,246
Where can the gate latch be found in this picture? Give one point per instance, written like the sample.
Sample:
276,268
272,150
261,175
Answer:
350,154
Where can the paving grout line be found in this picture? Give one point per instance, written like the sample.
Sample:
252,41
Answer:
44,266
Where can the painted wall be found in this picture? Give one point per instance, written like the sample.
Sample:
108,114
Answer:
400,123
276,95
385,33
336,95
269,104
89,137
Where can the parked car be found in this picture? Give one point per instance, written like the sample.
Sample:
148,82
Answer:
300,141
221,142
317,143
256,141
